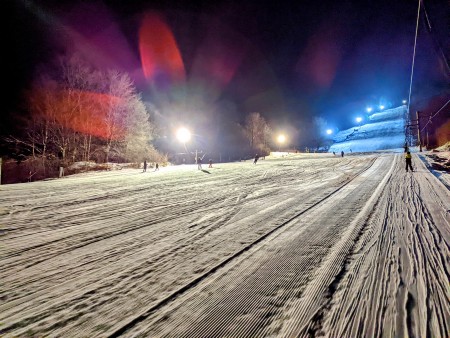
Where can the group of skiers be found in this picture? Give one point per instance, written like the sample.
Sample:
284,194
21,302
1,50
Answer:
342,153
199,160
145,166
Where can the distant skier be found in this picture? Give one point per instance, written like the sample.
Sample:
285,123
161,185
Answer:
256,159
156,167
199,163
210,163
342,153
408,159
145,166
334,153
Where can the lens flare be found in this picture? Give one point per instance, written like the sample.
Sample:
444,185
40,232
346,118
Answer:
160,56
321,57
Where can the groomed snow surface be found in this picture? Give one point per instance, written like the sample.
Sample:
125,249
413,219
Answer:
303,245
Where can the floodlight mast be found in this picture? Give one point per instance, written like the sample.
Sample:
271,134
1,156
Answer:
281,139
184,135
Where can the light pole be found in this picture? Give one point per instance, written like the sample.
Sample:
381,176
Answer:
184,135
281,139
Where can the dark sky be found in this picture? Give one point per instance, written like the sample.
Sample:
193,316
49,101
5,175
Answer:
287,60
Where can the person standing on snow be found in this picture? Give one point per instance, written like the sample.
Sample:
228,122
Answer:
408,159
210,163
156,166
342,153
256,159
199,163
145,166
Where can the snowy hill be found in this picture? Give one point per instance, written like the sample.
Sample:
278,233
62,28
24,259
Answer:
386,130
236,250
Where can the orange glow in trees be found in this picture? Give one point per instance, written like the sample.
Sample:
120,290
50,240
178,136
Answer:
80,111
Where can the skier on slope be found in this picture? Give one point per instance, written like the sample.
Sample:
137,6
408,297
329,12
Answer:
408,159
145,166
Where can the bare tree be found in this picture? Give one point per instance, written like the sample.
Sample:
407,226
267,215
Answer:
79,110
119,90
319,141
256,130
79,82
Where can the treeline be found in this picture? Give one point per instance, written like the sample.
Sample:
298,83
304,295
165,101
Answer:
77,113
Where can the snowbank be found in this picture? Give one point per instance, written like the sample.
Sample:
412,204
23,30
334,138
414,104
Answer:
439,165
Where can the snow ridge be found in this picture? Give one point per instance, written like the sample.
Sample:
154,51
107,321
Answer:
385,131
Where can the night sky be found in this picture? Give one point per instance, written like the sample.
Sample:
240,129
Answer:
288,61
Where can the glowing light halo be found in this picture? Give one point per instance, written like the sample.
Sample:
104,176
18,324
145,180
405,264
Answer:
281,138
183,135
329,131
358,119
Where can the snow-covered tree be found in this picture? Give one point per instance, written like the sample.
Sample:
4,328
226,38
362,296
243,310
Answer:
78,110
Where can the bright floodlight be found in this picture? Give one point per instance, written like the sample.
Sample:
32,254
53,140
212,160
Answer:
183,135
369,109
281,138
358,119
404,101
329,131
381,107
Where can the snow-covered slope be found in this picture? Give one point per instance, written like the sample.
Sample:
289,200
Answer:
303,245
386,130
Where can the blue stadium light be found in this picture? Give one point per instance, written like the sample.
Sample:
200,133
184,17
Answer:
369,109
329,132
404,101
359,119
381,107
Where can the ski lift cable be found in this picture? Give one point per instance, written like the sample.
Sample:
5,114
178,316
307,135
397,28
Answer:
431,117
435,39
414,56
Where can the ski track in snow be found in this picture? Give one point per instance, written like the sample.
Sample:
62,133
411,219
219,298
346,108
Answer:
301,246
